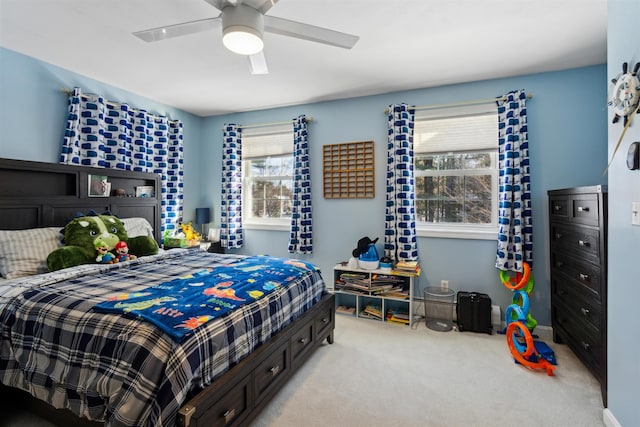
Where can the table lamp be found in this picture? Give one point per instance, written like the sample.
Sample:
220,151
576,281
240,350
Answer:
203,216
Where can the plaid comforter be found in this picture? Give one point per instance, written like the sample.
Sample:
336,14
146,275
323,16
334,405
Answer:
125,371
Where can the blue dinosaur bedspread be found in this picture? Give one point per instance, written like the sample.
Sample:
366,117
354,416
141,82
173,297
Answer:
181,305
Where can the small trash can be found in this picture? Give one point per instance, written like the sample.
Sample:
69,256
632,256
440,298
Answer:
438,308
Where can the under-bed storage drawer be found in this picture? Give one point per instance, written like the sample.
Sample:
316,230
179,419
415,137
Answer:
229,409
271,371
324,320
301,344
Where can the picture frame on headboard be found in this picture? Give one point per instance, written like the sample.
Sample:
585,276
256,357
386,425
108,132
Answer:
145,191
99,186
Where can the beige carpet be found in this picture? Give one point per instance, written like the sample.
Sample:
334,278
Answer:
378,374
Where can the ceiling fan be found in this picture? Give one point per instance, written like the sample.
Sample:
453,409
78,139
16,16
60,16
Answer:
243,24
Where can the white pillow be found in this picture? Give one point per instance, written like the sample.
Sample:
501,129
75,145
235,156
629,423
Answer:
137,227
24,252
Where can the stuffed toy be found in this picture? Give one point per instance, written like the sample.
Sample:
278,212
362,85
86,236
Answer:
189,232
104,256
122,252
81,235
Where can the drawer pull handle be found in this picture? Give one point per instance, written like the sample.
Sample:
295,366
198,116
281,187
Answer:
557,207
584,277
583,243
585,311
558,236
228,416
585,345
583,208
274,371
303,340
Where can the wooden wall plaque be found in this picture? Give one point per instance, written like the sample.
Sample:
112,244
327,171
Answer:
348,170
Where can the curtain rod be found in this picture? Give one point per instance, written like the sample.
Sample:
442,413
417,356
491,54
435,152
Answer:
459,104
112,103
309,119
259,125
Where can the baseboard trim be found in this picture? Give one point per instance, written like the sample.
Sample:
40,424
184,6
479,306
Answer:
609,419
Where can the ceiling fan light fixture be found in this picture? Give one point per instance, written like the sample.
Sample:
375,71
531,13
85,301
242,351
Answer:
242,40
242,28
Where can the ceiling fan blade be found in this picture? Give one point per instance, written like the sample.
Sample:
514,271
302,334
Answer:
178,30
312,33
258,63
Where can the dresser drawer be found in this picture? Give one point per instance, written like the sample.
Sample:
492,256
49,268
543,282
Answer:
301,344
575,208
577,305
581,241
584,209
271,370
587,345
559,208
581,273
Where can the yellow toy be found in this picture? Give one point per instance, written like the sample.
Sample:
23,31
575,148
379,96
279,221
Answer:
189,232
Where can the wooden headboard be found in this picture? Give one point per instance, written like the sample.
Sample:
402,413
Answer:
36,194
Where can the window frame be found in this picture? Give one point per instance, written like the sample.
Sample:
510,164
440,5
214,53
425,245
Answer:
248,221
453,230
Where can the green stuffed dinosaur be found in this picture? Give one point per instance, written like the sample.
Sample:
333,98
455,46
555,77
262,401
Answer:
81,235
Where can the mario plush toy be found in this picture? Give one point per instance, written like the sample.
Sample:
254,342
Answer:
122,252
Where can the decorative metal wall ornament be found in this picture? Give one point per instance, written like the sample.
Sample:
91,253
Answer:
624,97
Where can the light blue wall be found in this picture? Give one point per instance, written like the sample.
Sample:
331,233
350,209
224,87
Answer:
567,135
33,114
623,45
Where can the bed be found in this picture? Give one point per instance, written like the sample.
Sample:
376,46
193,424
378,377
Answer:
117,369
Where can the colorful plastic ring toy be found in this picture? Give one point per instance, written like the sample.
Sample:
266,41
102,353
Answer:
521,279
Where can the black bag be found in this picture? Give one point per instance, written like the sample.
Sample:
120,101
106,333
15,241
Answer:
473,310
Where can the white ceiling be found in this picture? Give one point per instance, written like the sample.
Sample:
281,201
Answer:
404,44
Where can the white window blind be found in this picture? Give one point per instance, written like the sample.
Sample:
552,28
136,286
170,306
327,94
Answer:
268,141
469,128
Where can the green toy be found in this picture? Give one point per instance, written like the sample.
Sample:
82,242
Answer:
81,235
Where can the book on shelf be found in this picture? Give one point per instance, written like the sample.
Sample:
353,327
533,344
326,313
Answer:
372,311
411,268
396,293
345,309
396,316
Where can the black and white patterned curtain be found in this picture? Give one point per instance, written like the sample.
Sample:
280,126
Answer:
113,135
301,236
515,227
400,237
231,231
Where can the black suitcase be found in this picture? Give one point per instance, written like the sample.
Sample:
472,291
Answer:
473,310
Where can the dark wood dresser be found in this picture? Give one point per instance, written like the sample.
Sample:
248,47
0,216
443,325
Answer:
578,252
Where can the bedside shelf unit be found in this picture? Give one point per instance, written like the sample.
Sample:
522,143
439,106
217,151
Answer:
578,252
374,294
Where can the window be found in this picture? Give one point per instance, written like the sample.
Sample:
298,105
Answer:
456,172
267,169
